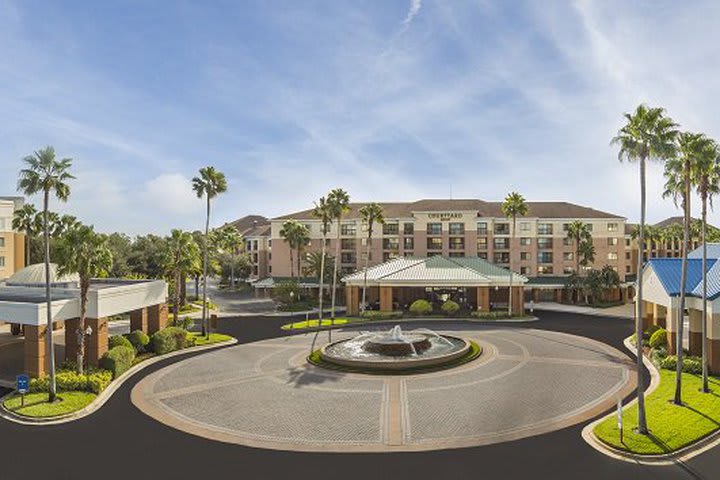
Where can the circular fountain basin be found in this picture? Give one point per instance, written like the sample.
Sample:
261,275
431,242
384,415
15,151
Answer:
395,351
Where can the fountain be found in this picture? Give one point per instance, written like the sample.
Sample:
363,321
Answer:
395,349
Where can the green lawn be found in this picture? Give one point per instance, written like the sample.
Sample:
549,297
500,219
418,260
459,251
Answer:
313,324
36,404
201,340
671,427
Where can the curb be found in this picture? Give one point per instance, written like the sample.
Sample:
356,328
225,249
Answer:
661,460
578,312
106,394
409,320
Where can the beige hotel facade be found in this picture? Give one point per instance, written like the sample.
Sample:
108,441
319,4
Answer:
538,249
12,244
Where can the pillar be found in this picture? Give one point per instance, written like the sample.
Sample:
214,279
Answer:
386,303
518,306
157,317
672,328
483,295
713,343
352,299
139,320
97,341
558,295
648,309
36,364
535,295
71,340
695,332
660,315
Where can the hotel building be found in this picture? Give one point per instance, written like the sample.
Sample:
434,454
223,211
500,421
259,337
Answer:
12,244
255,230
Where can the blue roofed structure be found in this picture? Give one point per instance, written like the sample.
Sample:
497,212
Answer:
713,251
668,271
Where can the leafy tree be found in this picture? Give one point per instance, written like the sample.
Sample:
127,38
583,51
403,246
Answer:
83,251
230,241
26,219
672,234
338,202
209,184
121,246
513,206
322,212
371,214
43,173
181,256
647,135
146,256
296,235
314,264
234,265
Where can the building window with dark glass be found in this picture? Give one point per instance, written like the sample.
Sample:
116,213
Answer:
434,244
482,243
525,241
482,228
390,229
391,244
457,254
545,270
545,257
501,257
482,255
568,256
347,243
408,228
501,243
434,228
612,241
502,229
456,228
408,243
544,242
524,255
348,229
389,256
457,243
348,257
524,270
545,228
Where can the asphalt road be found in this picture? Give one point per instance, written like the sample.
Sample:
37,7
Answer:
120,442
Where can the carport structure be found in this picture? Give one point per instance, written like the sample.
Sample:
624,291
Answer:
401,281
661,299
144,300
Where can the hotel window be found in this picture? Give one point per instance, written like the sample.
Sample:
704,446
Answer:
612,241
2,242
2,261
457,254
347,244
627,268
348,257
568,242
612,227
502,229
457,243
524,270
568,256
589,227
482,255
482,243
482,228
408,228
568,270
434,228
613,256
627,242
390,229
544,242
434,243
308,226
408,254
348,229
391,244
501,243
501,257
408,243
627,257
456,228
545,257
524,255
434,254
525,241
389,256
545,270
347,270
255,258
545,229
255,270
524,226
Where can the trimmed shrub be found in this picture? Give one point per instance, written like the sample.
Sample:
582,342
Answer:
99,380
41,384
651,330
690,364
421,307
119,341
490,315
450,308
658,338
170,339
375,315
70,381
118,360
139,340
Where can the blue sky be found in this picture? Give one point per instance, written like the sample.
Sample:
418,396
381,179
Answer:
390,99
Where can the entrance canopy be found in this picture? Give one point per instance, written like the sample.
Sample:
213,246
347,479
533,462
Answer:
436,272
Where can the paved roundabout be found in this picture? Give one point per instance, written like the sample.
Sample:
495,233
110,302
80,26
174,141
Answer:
264,394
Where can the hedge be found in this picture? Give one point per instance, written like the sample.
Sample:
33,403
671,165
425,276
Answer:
450,308
118,360
170,339
70,381
658,338
139,340
375,315
689,364
119,341
421,307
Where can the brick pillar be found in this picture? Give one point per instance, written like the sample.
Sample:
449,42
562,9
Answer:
648,309
713,343
660,315
536,295
386,295
352,299
518,307
558,295
71,340
36,363
695,332
483,294
139,320
157,317
97,343
671,326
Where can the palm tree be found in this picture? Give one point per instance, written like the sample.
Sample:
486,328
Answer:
647,135
83,251
371,214
610,278
513,206
706,178
296,235
586,254
314,263
672,234
302,240
210,184
231,241
45,174
679,182
181,256
578,231
27,219
338,202
323,213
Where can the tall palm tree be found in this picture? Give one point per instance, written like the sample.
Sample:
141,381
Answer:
232,242
181,256
672,235
209,184
43,173
706,178
323,213
579,232
338,202
679,184
296,235
647,135
513,206
27,219
83,251
371,214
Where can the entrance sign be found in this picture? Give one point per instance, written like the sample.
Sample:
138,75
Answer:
22,384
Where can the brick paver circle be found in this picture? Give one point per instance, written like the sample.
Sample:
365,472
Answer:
264,394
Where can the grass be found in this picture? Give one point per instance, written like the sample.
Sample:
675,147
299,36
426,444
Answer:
37,406
672,427
314,323
201,340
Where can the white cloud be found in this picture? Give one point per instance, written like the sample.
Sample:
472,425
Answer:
171,193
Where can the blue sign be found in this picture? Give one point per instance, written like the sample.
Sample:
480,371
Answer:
22,384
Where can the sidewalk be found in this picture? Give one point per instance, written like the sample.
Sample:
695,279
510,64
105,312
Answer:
623,311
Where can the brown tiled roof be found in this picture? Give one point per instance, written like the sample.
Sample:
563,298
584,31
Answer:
250,223
484,209
669,221
259,231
